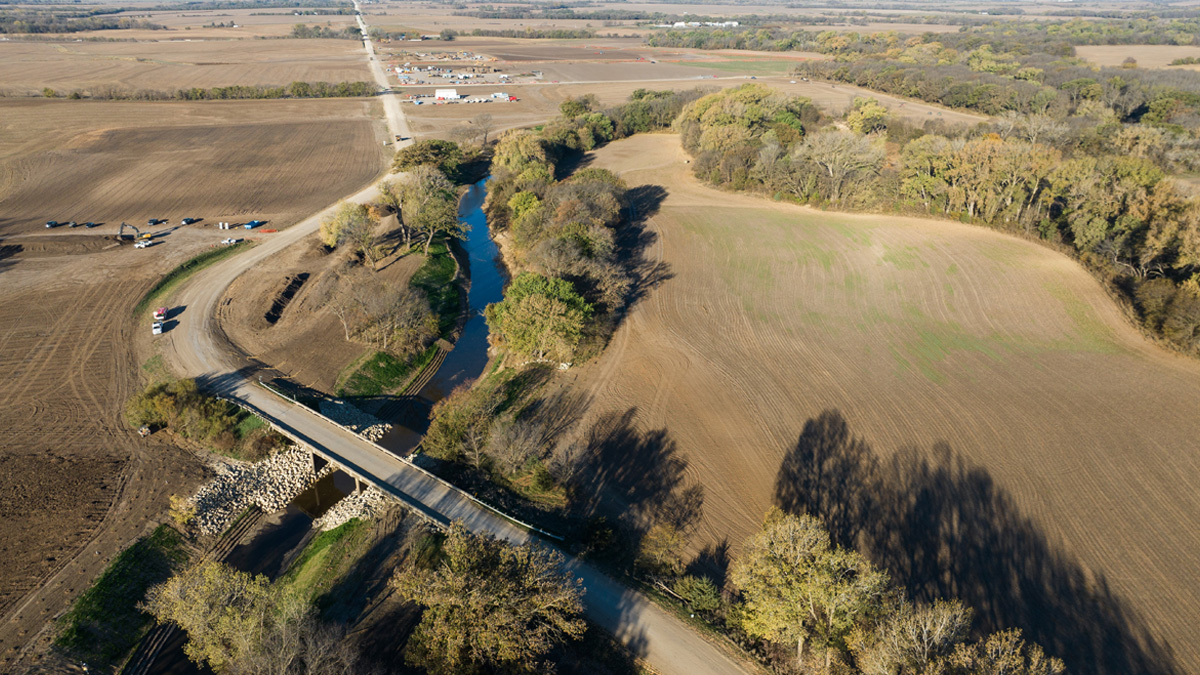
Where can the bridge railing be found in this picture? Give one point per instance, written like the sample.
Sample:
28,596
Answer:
450,486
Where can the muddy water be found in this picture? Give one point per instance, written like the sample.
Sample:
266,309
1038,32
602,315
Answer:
469,357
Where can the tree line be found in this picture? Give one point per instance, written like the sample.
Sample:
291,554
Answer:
37,22
1111,202
230,93
305,31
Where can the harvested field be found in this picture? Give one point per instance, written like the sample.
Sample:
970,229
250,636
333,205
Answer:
222,160
238,24
970,409
27,67
1147,56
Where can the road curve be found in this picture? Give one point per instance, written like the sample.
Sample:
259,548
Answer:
197,348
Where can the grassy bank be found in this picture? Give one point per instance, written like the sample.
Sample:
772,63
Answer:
381,373
327,559
104,624
171,280
435,279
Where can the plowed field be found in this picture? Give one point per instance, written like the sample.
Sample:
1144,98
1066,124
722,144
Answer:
970,409
27,67
116,161
76,484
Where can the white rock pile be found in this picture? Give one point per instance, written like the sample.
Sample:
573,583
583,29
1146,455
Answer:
366,504
271,484
359,422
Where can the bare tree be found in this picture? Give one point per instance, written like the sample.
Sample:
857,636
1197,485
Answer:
842,157
912,638
484,124
512,443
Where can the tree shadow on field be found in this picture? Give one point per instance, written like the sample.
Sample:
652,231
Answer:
942,527
635,242
635,476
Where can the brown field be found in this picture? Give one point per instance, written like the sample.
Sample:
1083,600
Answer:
220,160
27,67
307,343
77,484
539,102
969,408
194,25
1148,56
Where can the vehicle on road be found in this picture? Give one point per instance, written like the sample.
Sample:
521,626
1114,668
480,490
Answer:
52,223
160,314
156,328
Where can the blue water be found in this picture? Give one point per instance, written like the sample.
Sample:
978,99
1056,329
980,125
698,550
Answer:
466,361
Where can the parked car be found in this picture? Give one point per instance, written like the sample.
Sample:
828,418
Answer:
89,224
160,314
230,240
188,221
145,243
52,223
72,224
156,328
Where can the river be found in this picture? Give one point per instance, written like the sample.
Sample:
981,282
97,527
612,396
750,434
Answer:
469,357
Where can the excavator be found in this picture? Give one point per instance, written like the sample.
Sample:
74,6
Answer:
137,234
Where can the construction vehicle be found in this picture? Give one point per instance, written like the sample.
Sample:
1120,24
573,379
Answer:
137,234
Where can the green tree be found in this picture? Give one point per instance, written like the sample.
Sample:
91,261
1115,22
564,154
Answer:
490,605
798,588
700,593
239,623
429,207
446,156
540,318
347,219
867,115
519,150
223,611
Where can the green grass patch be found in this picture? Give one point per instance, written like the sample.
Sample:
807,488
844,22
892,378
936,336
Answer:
327,559
435,278
382,373
104,624
248,424
156,369
171,280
